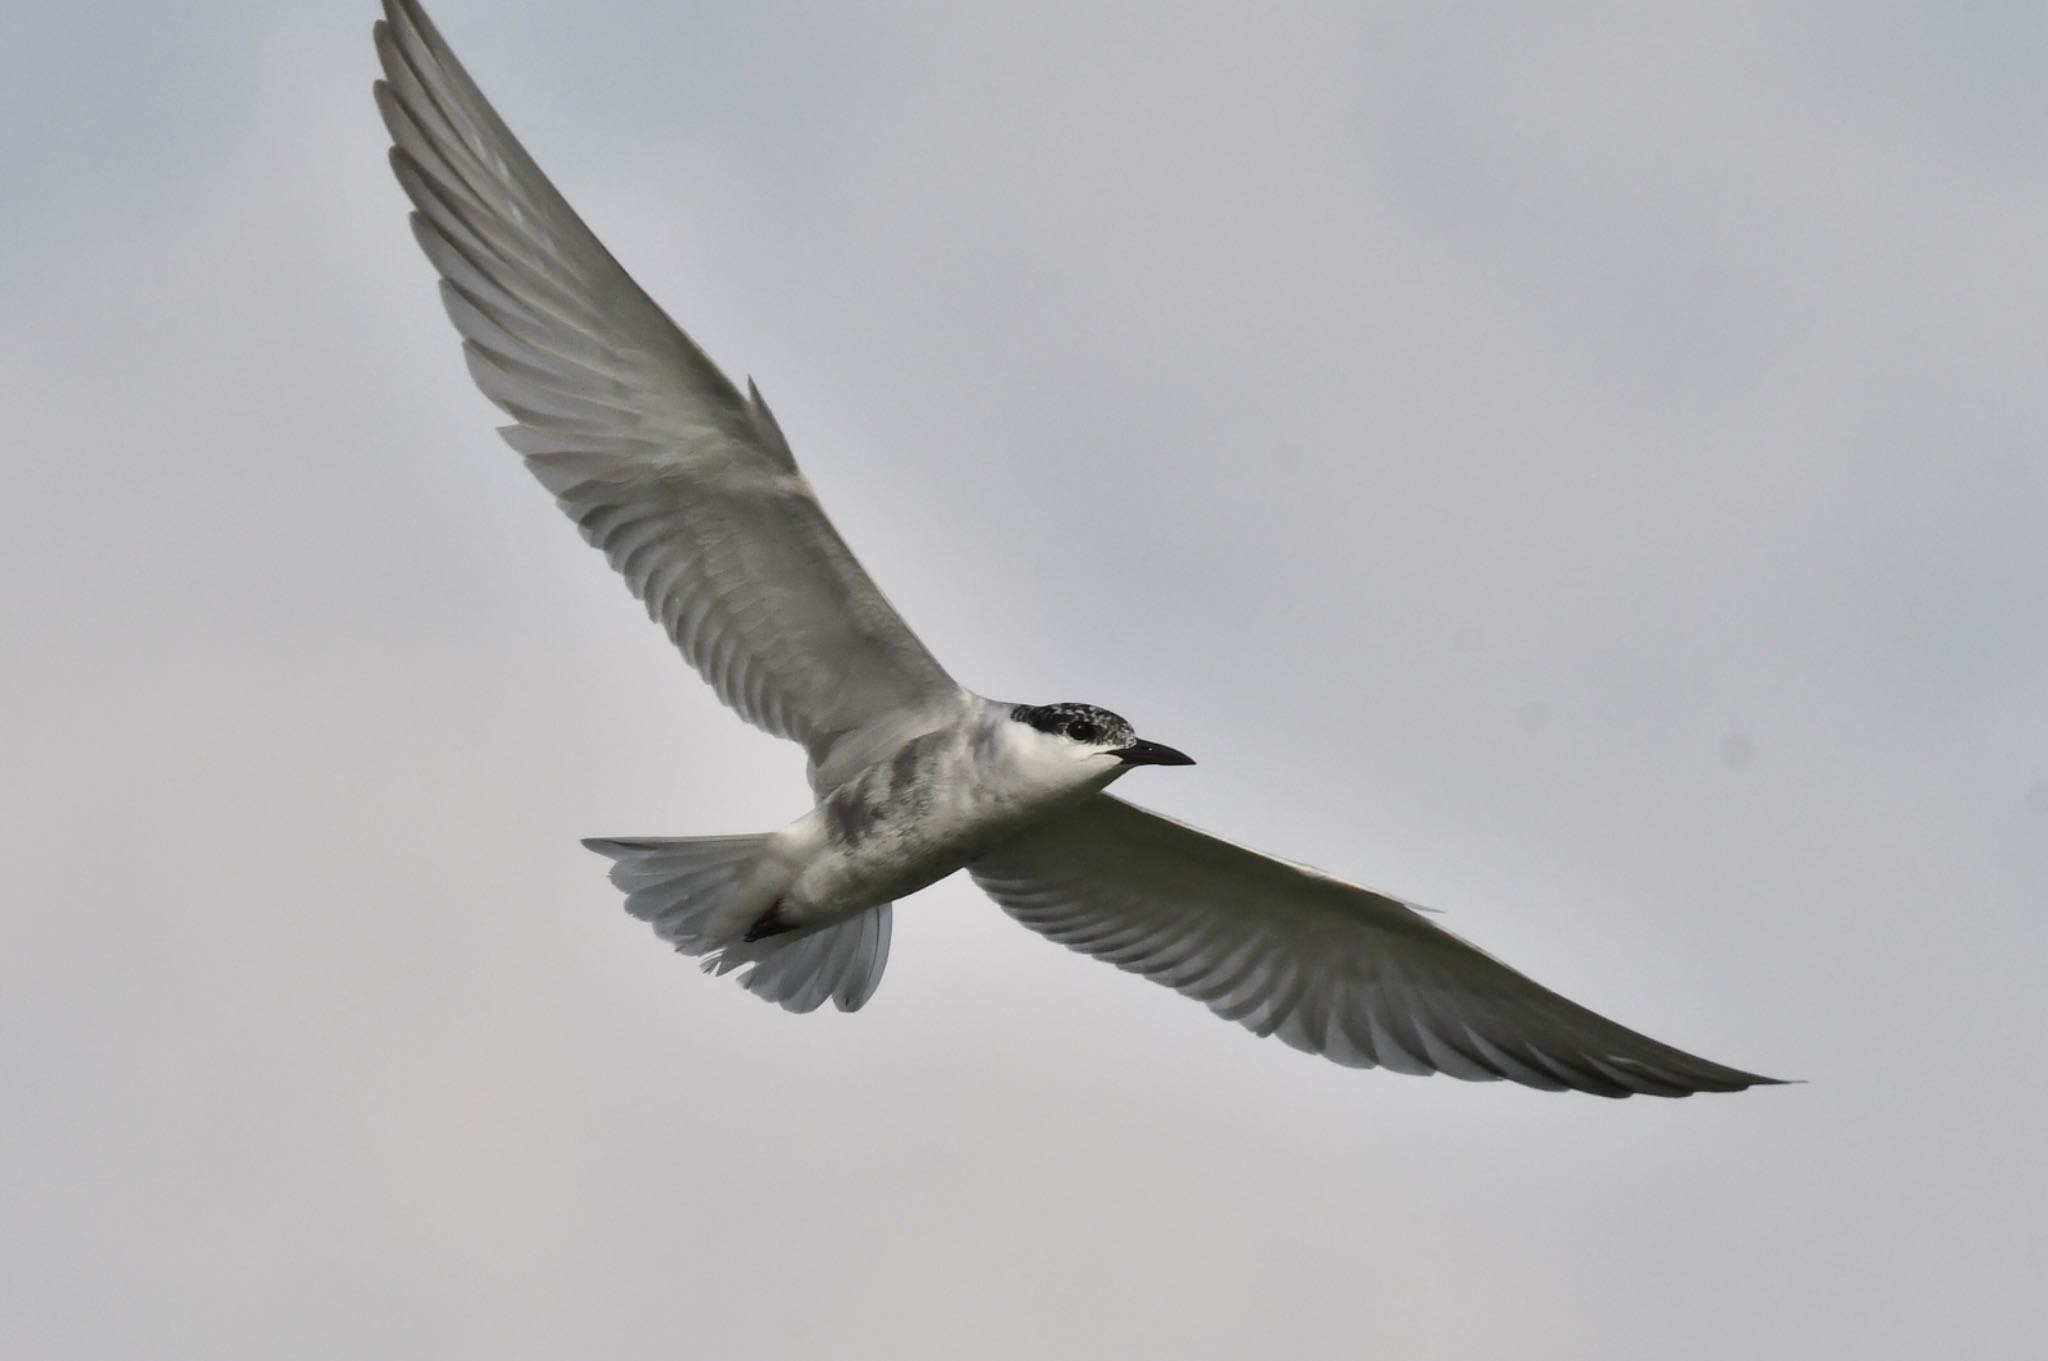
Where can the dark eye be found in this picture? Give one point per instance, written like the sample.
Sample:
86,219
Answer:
1081,730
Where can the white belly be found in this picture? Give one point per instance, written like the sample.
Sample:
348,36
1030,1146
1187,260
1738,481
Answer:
908,822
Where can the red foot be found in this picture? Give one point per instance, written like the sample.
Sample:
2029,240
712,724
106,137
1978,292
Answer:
769,923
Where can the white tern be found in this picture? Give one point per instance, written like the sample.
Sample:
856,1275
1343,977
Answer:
691,492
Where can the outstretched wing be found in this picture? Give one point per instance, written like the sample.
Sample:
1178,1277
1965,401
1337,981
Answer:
1331,968
688,487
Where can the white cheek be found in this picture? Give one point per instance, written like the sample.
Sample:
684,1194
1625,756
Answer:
1053,762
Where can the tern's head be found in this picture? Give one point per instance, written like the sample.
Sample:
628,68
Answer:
1086,733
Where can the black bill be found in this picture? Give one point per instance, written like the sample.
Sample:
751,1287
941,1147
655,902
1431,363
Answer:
1142,753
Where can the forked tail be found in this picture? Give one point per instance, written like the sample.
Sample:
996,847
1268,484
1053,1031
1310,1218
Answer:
704,895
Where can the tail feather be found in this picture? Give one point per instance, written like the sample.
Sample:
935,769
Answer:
842,961
698,893
702,894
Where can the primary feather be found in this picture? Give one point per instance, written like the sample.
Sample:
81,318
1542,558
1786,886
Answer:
687,487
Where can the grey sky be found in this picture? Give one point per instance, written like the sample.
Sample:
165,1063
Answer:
1583,470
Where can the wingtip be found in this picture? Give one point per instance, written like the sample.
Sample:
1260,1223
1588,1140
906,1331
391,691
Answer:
1741,1082
1735,1080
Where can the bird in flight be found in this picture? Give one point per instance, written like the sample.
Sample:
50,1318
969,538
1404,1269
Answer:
691,492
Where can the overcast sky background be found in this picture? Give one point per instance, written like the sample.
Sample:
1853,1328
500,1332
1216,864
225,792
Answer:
1586,471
